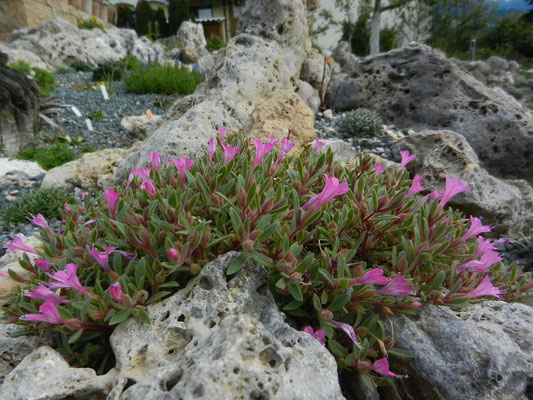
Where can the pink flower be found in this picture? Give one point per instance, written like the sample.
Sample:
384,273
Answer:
272,139
348,329
489,257
381,366
397,287
148,187
415,185
84,195
154,159
43,264
318,145
212,147
126,255
476,227
19,245
182,164
406,158
40,221
142,173
285,148
222,130
115,291
260,150
112,198
453,187
319,334
102,258
3,273
229,152
173,255
91,221
68,279
41,292
379,169
48,314
331,189
373,277
485,288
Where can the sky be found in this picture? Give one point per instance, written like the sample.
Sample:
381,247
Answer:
517,4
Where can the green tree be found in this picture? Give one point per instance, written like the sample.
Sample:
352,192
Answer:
144,17
511,37
178,11
125,18
160,21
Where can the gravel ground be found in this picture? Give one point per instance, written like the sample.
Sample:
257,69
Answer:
77,89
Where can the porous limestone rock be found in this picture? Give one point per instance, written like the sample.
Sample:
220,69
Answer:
418,87
19,108
308,94
93,171
265,55
15,55
484,352
506,204
225,340
140,126
13,170
313,70
344,153
191,41
280,114
45,375
9,261
343,54
59,42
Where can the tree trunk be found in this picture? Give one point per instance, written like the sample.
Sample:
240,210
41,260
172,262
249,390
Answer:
375,23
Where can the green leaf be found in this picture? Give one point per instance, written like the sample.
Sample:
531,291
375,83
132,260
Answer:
158,296
293,305
236,264
367,381
400,353
339,302
261,259
143,316
336,348
120,317
75,337
64,313
295,291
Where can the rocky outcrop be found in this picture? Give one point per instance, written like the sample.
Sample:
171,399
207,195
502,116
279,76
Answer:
418,87
12,171
15,55
140,125
484,352
224,340
19,108
283,113
93,171
59,42
266,55
508,205
191,40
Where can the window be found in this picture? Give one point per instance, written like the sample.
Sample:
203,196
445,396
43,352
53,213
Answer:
202,12
237,10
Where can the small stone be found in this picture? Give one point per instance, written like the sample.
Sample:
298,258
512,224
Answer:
328,114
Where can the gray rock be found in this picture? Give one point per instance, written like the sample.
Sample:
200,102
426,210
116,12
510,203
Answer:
328,114
313,70
506,204
191,41
417,87
309,95
343,54
12,171
484,352
226,340
45,375
266,55
19,108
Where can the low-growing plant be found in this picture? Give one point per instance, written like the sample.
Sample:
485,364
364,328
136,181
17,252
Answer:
128,63
97,115
49,157
62,69
107,72
345,247
214,43
45,80
47,202
21,66
360,123
163,79
90,23
81,66
87,149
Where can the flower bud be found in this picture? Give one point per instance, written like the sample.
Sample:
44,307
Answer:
115,291
326,315
196,269
295,277
173,255
248,245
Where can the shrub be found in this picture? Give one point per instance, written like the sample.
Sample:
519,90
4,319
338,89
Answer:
21,66
144,17
45,80
49,157
81,66
360,123
178,11
163,79
107,72
341,257
90,23
214,43
48,202
125,18
128,63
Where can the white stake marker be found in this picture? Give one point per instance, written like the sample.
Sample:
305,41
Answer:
104,92
89,124
76,111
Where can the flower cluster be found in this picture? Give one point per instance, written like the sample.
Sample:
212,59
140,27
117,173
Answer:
346,248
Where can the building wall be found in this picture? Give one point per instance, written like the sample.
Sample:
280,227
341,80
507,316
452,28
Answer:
16,14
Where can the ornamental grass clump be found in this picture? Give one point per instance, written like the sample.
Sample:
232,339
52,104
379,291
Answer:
361,123
345,249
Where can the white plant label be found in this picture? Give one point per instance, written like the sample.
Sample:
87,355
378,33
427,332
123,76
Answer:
89,124
76,111
104,92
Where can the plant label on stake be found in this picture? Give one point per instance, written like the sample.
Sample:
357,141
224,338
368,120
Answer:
76,111
104,92
89,124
